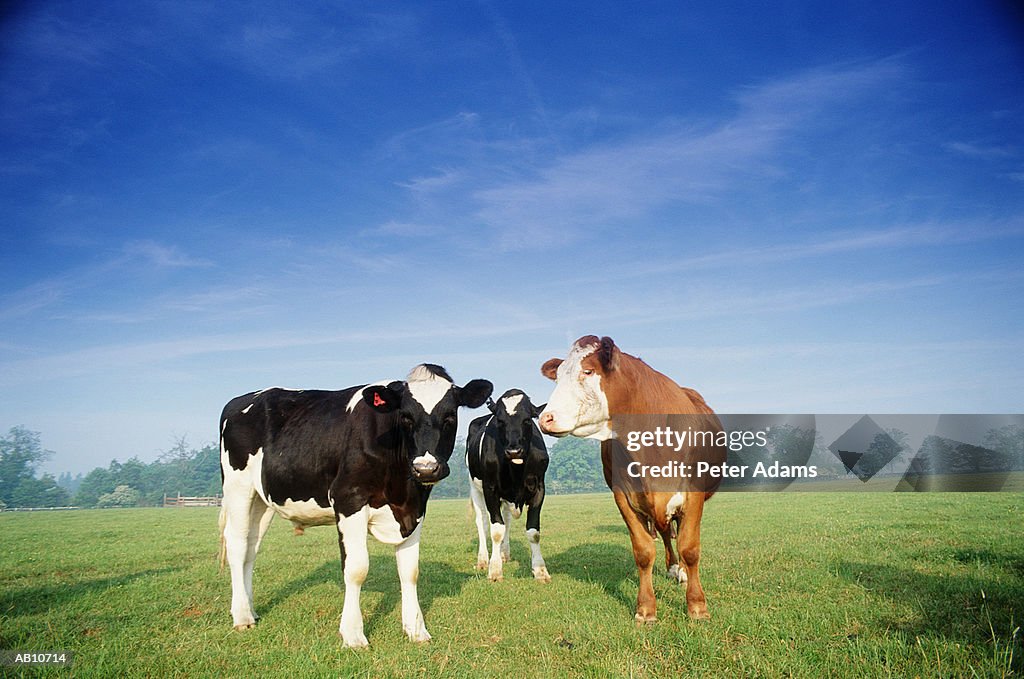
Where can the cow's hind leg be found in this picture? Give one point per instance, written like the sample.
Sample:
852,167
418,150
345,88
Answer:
506,545
689,552
476,496
674,570
407,556
540,569
356,564
240,540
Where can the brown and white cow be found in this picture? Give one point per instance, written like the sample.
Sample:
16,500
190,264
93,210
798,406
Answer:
598,382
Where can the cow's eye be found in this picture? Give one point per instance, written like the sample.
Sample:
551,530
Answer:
406,420
588,371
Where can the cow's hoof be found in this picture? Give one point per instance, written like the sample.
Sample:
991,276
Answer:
645,618
504,557
245,626
495,575
540,573
699,615
678,574
420,636
355,640
481,565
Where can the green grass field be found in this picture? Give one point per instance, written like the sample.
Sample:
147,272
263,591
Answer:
801,584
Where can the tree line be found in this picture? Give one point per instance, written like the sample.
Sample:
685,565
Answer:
575,468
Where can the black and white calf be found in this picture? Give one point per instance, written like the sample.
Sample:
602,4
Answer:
363,458
507,459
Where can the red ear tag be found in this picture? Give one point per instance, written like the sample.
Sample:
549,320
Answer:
377,400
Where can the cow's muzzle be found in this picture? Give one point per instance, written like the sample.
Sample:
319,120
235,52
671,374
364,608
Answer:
548,426
427,470
515,455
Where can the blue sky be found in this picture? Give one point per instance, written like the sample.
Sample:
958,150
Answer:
792,208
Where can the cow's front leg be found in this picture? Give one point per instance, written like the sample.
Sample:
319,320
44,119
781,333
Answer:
540,569
407,556
356,564
494,567
643,554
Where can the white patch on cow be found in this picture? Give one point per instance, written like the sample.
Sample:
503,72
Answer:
383,525
537,565
261,391
476,496
306,512
674,503
352,529
245,518
480,448
506,516
511,403
497,538
428,392
517,460
407,557
425,458
578,404
247,408
357,397
677,573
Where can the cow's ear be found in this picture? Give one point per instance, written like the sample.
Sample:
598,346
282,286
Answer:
608,354
491,405
550,368
384,399
537,410
475,393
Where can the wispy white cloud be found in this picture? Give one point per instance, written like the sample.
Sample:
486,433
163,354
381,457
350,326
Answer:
683,163
981,151
31,299
161,255
837,243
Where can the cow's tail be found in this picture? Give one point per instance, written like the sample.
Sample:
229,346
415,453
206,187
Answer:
221,523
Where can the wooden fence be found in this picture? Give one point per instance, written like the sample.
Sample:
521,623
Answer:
191,501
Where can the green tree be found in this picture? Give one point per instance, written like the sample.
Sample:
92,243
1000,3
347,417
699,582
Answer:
41,492
122,496
575,466
96,483
20,454
457,482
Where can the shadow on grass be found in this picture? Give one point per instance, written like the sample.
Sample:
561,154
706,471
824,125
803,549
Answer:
33,600
1013,563
437,579
602,563
613,528
950,607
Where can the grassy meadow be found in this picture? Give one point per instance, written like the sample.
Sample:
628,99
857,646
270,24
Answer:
802,584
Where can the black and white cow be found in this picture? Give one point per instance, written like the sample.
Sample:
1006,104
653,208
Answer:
507,458
363,458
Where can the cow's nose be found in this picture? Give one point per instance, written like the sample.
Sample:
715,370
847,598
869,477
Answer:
513,453
425,465
547,421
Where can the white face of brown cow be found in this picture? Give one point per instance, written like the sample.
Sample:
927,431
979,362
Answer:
578,405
